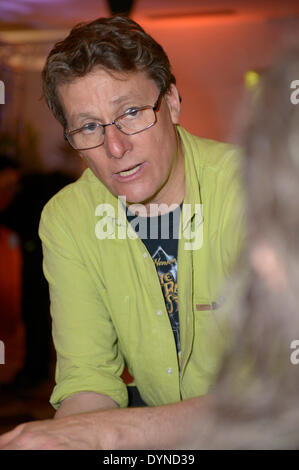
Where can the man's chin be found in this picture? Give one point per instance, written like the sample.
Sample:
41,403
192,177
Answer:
137,198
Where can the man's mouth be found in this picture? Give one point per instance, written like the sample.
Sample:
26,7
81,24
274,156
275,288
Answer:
130,171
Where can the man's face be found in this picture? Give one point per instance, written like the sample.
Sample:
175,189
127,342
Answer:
154,156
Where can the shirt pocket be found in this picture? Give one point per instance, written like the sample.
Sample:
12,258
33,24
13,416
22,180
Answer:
208,337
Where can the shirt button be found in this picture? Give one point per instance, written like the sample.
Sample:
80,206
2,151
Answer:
169,370
144,255
159,312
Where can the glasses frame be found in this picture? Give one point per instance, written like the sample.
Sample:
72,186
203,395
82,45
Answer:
68,133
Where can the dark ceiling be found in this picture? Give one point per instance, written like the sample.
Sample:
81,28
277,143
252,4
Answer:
65,13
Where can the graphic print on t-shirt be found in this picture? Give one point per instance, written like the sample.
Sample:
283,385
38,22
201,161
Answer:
166,266
163,248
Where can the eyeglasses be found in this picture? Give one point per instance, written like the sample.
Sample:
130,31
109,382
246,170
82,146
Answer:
133,121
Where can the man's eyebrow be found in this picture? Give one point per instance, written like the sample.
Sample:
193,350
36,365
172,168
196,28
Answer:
77,117
119,99
91,115
122,98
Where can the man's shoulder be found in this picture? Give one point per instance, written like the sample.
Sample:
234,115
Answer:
77,192
211,154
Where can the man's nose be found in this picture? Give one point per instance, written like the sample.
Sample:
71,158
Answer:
116,143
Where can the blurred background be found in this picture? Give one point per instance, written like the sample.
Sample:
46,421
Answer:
217,49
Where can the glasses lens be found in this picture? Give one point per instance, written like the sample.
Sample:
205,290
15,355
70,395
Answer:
90,136
135,121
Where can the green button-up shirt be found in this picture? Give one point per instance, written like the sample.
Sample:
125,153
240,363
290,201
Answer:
107,304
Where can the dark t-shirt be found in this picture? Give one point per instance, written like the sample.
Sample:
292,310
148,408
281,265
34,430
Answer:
160,236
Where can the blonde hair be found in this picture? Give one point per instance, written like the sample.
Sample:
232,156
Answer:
254,403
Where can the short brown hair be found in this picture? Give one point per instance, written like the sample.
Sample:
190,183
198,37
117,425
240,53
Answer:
116,44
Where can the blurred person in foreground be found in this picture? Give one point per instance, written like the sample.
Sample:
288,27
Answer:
254,401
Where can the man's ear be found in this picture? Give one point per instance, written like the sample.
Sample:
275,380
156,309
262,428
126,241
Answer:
172,98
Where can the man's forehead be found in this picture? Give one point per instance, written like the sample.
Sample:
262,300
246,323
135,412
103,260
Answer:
124,83
82,96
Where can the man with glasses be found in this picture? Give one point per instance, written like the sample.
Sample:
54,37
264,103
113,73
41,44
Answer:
124,294
133,121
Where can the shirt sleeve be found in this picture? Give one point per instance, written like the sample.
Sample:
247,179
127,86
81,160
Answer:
88,357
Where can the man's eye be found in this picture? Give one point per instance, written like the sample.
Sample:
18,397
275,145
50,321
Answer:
90,127
132,112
